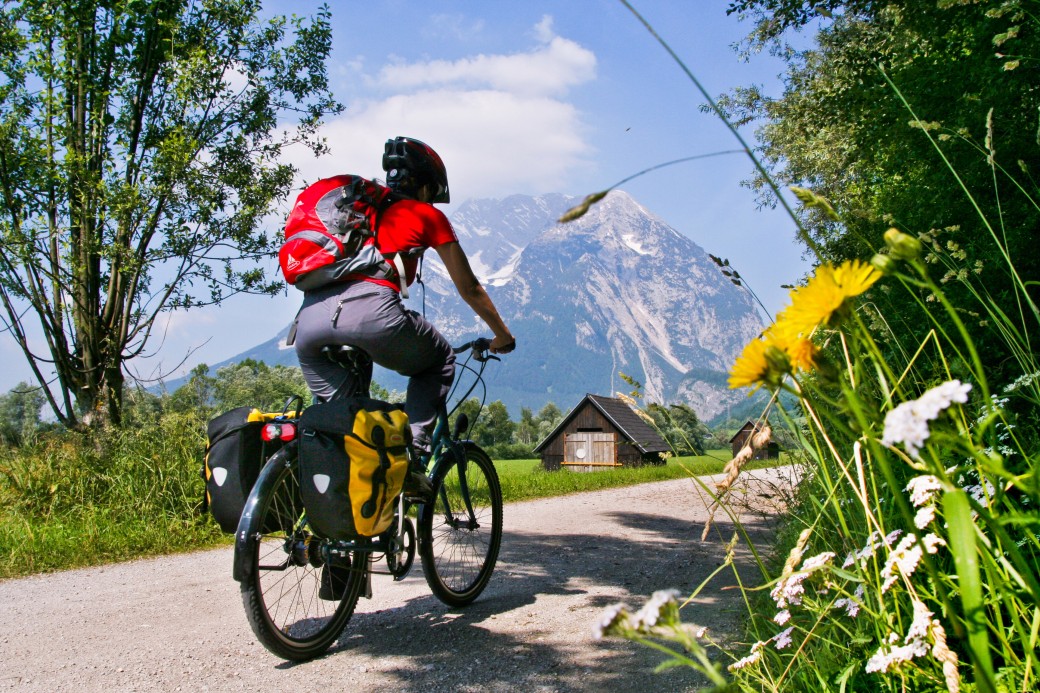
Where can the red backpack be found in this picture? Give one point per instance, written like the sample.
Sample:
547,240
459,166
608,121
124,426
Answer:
331,232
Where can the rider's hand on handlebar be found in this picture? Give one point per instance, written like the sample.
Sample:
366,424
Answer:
502,345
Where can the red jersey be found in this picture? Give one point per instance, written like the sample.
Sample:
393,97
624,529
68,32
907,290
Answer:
407,225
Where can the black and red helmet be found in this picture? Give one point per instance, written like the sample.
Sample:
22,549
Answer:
411,164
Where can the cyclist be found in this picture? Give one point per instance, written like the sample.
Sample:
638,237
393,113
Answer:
367,312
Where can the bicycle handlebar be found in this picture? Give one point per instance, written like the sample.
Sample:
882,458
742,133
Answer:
480,348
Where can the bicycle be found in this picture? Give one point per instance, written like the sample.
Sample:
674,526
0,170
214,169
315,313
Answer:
300,589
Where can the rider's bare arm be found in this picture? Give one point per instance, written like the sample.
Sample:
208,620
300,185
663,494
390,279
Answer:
475,296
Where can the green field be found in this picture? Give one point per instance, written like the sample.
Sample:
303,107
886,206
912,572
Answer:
526,480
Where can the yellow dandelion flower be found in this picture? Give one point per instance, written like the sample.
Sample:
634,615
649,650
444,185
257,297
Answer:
782,331
813,304
751,367
803,354
854,277
800,351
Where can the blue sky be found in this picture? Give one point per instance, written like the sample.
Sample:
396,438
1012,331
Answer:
526,97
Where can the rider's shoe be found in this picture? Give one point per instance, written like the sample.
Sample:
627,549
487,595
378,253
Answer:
417,486
333,582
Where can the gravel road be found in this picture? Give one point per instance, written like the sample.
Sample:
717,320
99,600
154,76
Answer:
176,623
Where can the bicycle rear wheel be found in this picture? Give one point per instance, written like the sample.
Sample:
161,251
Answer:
280,565
460,532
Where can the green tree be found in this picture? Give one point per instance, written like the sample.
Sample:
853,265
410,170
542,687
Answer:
379,392
140,147
255,384
196,394
842,128
548,418
488,424
680,427
527,429
20,413
141,406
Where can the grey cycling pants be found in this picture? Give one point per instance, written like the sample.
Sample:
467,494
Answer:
372,317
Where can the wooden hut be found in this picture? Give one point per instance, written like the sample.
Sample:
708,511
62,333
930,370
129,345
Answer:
770,452
601,432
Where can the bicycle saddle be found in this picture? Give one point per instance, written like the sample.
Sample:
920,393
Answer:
345,354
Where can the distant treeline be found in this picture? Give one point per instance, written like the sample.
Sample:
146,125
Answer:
256,384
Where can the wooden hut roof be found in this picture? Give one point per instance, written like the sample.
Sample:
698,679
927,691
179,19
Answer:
638,432
752,426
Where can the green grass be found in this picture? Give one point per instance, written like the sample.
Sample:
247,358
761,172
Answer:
526,480
69,501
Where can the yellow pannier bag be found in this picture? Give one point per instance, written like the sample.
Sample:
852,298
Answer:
353,461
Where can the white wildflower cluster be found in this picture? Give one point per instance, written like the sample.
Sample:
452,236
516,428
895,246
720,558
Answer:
1024,380
789,588
932,543
780,641
613,617
924,517
782,617
818,561
923,490
874,542
908,422
851,604
752,658
904,559
1001,427
982,492
662,607
662,604
783,638
890,655
923,629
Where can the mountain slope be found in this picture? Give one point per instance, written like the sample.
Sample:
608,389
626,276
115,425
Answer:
620,290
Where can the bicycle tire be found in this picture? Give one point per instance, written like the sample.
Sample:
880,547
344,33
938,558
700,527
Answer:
459,553
280,569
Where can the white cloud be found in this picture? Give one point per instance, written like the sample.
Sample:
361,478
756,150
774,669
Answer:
544,29
552,68
500,122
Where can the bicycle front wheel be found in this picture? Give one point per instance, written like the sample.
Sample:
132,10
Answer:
297,605
460,532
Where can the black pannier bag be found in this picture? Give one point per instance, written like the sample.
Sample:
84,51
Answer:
353,461
234,455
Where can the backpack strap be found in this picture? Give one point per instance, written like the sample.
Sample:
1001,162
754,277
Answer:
402,276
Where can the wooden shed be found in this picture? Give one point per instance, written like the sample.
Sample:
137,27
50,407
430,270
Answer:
601,432
770,452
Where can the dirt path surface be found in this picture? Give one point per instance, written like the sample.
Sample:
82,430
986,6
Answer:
177,624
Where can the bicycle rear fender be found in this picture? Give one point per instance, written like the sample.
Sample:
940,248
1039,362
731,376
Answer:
245,535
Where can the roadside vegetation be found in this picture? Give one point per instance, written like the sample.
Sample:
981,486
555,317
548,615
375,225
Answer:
910,557
72,498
